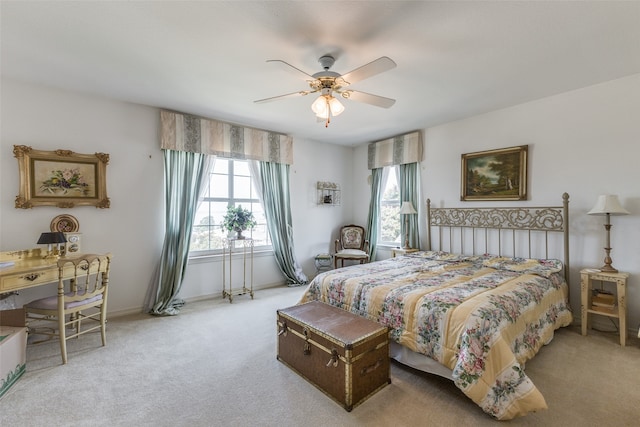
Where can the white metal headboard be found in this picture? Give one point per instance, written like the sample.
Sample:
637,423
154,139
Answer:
526,226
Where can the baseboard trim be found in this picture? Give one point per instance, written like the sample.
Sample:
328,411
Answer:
213,296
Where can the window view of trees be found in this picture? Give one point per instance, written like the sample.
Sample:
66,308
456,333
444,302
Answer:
229,185
390,210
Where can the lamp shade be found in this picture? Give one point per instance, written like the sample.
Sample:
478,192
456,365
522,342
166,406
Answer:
52,237
608,204
407,208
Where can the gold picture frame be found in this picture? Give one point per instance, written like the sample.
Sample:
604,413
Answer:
495,174
61,178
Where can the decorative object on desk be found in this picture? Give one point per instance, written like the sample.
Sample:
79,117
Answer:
495,175
407,209
61,178
65,224
51,238
6,264
608,205
73,245
238,219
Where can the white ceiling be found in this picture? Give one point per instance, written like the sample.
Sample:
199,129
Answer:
454,59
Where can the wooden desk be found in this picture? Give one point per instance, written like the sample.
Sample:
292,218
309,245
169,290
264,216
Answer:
30,269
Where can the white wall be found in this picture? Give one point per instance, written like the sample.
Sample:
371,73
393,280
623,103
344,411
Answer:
49,119
585,142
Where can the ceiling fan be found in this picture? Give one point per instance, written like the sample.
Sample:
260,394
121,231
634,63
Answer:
327,83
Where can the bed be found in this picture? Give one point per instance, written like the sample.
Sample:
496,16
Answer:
481,300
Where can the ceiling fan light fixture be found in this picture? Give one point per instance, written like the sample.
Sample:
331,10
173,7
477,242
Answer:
336,106
323,115
321,107
326,105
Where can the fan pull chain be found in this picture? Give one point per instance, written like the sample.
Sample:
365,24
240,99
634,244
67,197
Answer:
326,124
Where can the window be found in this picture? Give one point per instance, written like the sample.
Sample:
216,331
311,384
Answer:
389,233
229,185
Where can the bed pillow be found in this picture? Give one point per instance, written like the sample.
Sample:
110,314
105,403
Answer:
441,256
541,267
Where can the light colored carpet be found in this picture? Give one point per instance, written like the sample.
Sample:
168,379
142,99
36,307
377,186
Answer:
215,365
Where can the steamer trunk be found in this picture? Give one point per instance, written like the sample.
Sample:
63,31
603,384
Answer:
344,355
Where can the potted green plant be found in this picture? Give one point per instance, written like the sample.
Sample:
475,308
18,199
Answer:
238,219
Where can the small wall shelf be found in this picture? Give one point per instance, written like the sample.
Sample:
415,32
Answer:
328,193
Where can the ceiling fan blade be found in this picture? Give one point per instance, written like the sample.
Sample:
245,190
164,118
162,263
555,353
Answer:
288,95
378,66
367,98
306,75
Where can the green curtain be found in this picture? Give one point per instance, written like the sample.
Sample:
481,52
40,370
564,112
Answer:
183,179
274,189
409,183
374,211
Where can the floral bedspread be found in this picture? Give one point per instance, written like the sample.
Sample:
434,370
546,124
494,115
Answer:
482,317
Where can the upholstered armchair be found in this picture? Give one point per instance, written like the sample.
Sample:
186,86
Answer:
351,245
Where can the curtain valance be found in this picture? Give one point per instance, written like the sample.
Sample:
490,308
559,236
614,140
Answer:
398,150
184,132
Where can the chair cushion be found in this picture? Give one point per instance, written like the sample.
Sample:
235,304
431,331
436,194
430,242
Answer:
351,253
352,238
51,303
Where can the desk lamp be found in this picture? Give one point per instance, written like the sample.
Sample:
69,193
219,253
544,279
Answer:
608,205
407,209
50,238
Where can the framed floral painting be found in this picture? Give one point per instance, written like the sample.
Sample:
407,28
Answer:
61,178
495,174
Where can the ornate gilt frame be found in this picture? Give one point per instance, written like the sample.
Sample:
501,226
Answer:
72,179
477,178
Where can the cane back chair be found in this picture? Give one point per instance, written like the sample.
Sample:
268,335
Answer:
83,299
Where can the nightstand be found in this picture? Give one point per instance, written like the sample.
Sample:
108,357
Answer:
619,308
401,251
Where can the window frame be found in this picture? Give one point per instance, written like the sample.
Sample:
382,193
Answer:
387,172
254,198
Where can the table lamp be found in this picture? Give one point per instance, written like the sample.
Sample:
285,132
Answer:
49,238
608,205
407,209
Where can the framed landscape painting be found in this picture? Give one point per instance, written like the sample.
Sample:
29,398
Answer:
495,174
61,178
